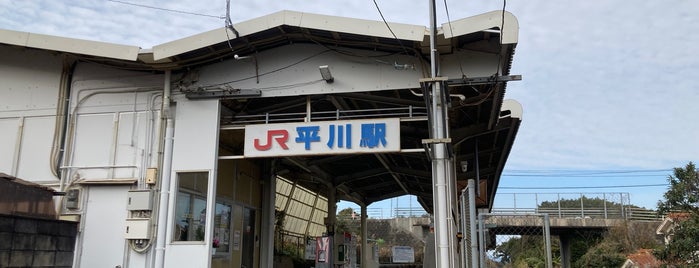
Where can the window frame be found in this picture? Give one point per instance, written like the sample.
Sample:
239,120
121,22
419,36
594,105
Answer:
193,196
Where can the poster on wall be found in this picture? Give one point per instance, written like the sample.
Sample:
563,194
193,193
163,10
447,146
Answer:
310,253
236,240
403,254
322,249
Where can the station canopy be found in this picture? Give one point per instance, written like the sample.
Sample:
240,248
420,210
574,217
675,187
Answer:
475,56
479,125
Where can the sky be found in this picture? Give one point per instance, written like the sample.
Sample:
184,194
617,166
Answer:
607,85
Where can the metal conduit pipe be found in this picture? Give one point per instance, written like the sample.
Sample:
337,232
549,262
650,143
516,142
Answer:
165,176
62,112
70,138
472,221
463,225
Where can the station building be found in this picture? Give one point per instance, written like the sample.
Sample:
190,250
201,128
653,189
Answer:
170,156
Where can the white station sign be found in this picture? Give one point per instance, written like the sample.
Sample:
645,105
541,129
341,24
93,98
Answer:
323,138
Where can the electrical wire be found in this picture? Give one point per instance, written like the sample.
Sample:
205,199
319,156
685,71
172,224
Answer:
229,25
584,176
586,187
588,170
167,9
317,40
502,27
346,52
585,173
292,85
281,86
478,102
446,8
269,72
389,28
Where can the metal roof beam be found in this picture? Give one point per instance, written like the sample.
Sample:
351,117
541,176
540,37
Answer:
382,159
381,99
486,80
347,179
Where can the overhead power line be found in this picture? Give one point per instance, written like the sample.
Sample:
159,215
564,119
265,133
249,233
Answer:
586,187
589,170
587,173
583,175
167,9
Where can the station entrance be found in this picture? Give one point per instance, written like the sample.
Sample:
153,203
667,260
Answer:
346,113
315,182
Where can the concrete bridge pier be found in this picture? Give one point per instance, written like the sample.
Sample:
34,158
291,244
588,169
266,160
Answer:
564,240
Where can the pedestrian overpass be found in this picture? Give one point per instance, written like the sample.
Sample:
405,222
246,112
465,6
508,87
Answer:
561,215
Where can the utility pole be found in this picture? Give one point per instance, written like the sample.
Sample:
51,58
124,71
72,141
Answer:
441,160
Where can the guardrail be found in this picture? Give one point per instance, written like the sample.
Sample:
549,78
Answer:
641,214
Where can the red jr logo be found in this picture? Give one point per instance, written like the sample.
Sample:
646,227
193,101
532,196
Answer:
271,133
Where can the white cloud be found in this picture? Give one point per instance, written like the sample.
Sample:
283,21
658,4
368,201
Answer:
603,86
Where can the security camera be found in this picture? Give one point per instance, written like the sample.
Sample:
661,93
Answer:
464,166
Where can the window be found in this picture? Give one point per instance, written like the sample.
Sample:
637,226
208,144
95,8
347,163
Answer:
190,206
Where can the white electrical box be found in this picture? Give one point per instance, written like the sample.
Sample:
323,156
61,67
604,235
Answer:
137,228
72,199
151,175
140,200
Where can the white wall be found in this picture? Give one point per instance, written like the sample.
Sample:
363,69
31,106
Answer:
115,119
29,90
114,122
113,135
297,64
114,114
36,142
9,128
194,149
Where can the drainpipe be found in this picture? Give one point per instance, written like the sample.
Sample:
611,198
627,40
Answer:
64,114
165,175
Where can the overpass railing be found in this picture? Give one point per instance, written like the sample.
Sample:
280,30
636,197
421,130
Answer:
574,205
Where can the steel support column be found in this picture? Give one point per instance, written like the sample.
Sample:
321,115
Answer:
365,235
330,225
269,192
439,155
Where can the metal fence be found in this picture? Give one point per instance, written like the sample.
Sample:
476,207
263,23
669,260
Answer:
396,212
515,240
389,241
290,244
573,205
